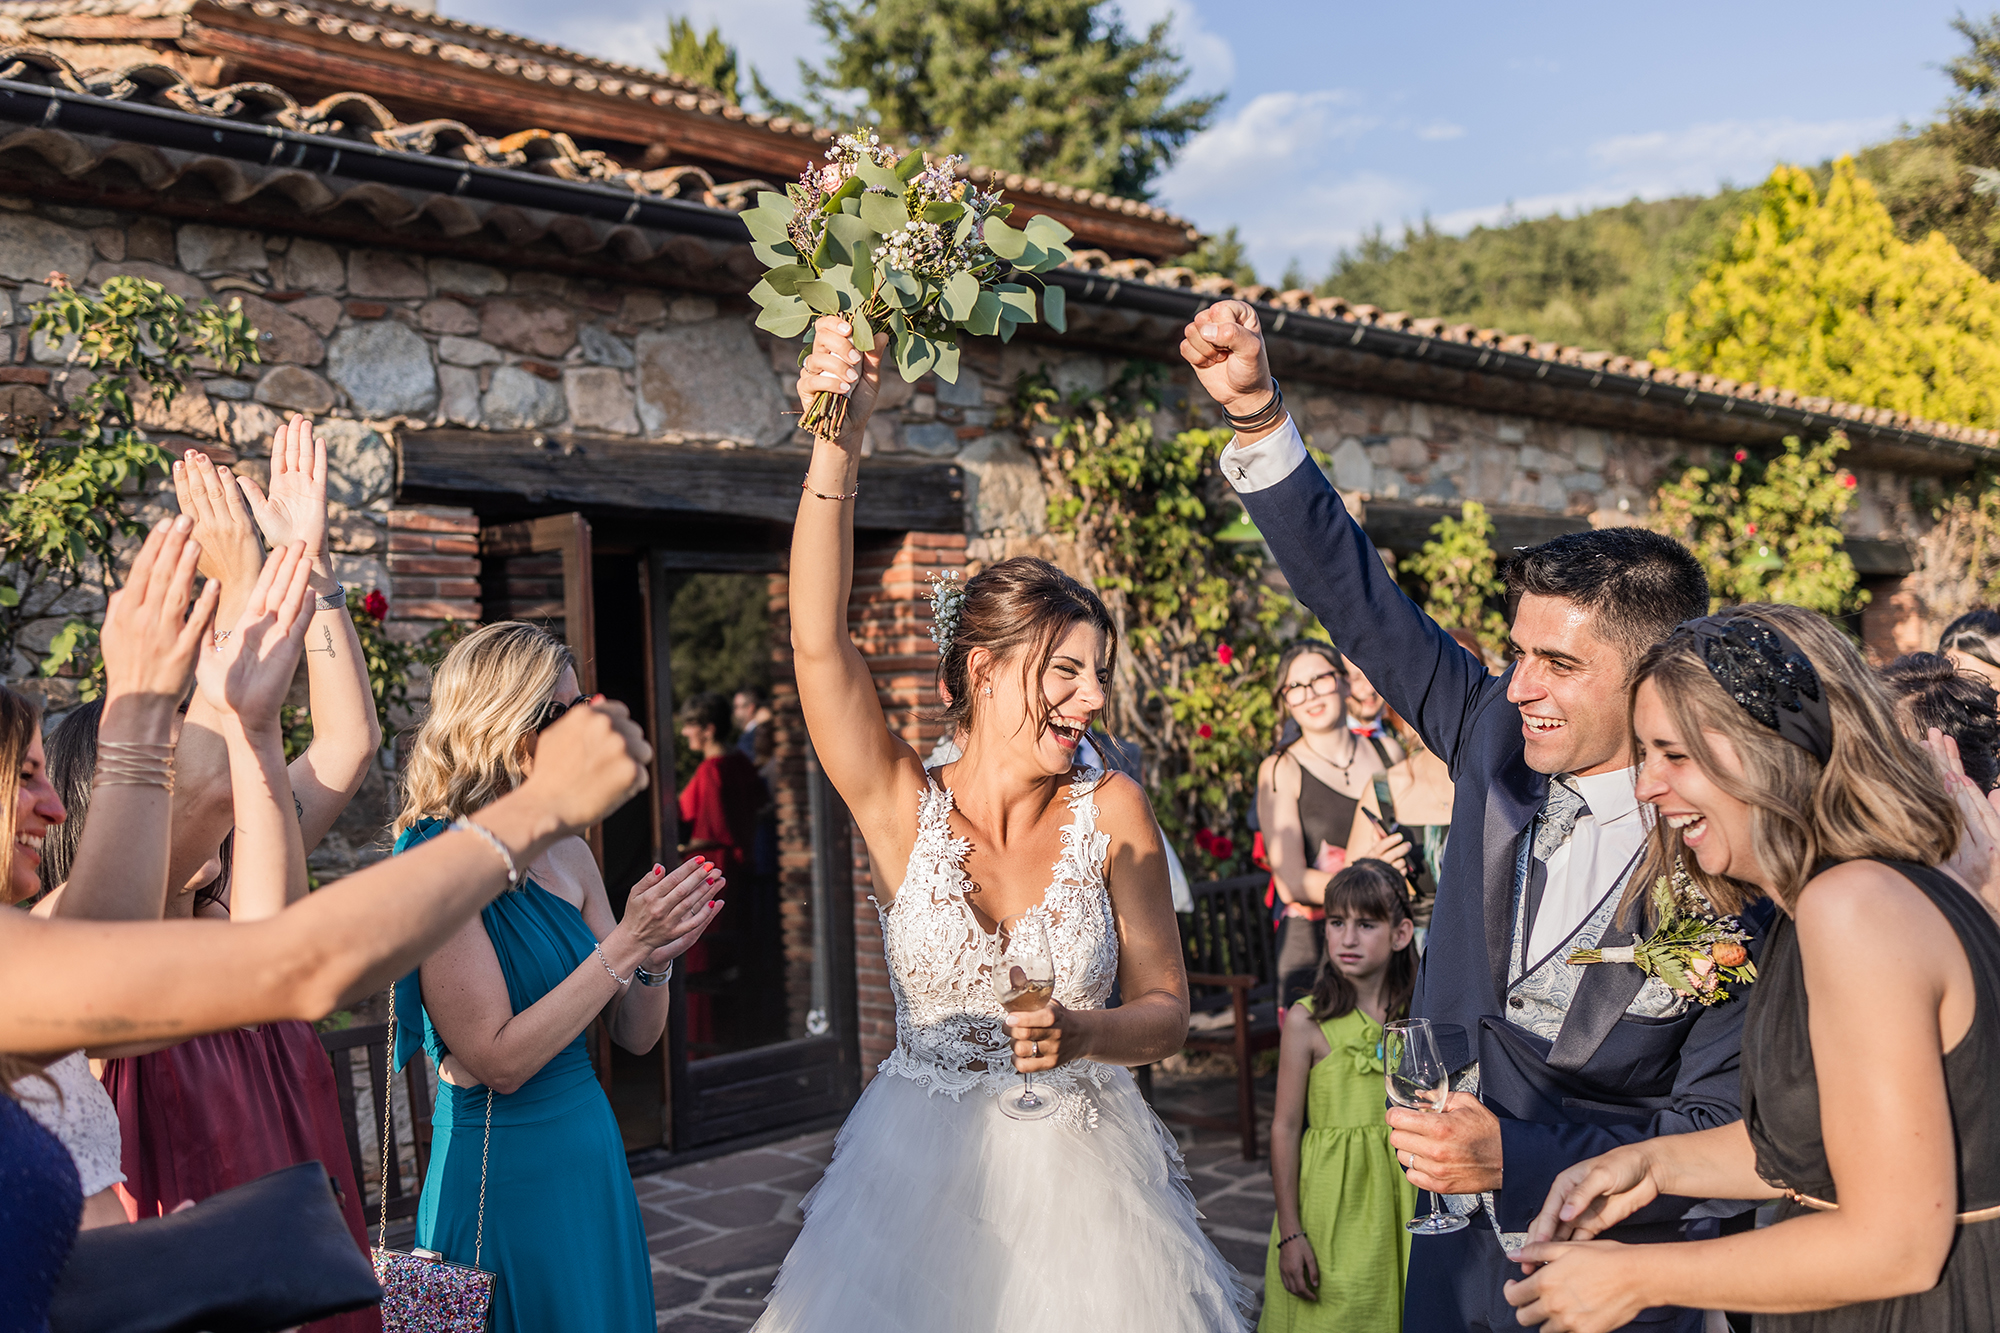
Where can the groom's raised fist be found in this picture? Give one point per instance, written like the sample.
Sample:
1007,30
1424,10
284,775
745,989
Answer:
1225,345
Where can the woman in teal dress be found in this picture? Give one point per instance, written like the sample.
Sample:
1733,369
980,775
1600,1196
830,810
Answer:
546,1203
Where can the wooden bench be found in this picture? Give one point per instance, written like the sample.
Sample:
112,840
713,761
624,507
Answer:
370,1040
1231,953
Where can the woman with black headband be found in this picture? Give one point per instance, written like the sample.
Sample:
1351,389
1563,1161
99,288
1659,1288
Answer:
1773,760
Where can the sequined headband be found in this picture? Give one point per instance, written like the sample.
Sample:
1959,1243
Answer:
1768,677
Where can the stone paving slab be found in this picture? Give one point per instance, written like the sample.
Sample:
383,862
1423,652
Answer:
717,1230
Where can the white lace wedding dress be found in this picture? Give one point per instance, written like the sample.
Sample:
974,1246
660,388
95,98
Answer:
939,1214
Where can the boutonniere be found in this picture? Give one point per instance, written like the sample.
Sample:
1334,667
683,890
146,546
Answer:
1693,952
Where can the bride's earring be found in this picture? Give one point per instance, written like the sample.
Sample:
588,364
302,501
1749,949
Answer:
987,690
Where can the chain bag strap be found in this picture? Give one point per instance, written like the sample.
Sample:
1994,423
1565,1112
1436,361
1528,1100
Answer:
423,1292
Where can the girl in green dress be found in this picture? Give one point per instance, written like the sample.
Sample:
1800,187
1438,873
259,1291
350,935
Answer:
1338,1249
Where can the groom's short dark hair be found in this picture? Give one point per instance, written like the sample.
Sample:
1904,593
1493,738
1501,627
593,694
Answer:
1636,584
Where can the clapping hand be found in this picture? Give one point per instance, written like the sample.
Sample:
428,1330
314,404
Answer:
150,637
230,550
668,910
252,663
1976,863
295,509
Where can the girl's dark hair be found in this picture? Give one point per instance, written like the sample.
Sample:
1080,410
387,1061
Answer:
1928,691
72,752
1375,890
1976,634
1022,608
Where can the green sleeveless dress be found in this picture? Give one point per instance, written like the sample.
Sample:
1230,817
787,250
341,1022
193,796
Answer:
1353,1198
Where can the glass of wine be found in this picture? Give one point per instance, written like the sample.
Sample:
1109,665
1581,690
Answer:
1417,1079
1024,977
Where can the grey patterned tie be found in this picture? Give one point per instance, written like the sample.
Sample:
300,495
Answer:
1560,812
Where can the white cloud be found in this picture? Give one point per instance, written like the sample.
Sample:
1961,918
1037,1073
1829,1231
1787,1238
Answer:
1276,132
1440,131
1210,59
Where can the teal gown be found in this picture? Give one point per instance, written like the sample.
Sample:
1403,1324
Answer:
562,1221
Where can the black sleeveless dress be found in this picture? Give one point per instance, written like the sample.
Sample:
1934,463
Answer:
1781,1112
1324,816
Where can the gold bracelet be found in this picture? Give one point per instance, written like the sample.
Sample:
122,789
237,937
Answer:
134,764
806,485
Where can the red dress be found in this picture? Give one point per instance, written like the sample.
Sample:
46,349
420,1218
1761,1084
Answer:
221,1110
720,803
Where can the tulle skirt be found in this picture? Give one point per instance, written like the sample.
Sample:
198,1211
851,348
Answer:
941,1214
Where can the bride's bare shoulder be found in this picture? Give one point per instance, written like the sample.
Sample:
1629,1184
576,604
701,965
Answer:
1122,809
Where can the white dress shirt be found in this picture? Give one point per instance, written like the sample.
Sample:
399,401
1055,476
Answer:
1605,841
1583,869
1256,467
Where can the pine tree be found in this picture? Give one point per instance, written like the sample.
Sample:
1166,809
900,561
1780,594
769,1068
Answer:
1053,88
1222,253
1820,295
708,60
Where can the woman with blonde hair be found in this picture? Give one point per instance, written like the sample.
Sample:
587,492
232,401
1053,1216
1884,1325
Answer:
1776,765
527,1172
175,979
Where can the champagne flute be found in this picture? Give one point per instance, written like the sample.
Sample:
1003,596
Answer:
1024,977
1417,1079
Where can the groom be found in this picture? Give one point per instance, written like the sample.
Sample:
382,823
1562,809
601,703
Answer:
1566,1061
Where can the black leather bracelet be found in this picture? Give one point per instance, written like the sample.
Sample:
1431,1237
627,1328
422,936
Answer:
1267,415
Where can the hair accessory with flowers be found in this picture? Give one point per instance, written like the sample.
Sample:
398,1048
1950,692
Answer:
1693,951
947,597
905,245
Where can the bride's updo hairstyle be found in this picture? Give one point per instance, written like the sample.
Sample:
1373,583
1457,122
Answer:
1876,794
486,697
1018,610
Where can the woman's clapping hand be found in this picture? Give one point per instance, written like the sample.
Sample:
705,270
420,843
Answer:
668,910
150,637
251,665
208,497
295,508
588,764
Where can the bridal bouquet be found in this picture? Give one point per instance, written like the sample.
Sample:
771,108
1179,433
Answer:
901,246
1692,952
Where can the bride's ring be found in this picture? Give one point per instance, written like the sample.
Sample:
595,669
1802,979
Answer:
1035,1048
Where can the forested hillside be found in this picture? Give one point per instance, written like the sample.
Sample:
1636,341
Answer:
1610,278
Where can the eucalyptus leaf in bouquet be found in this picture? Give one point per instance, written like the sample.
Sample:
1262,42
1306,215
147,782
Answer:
903,247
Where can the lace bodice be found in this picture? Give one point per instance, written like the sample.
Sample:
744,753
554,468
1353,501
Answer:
949,1035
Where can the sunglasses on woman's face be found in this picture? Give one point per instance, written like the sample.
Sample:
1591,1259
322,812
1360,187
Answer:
553,710
1326,682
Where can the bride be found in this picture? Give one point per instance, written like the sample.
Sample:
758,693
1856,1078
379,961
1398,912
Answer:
938,1210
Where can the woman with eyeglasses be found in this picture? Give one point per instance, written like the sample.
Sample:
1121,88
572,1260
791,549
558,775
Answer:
1308,792
527,1165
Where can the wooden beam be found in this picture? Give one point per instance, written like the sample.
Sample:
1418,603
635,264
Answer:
614,474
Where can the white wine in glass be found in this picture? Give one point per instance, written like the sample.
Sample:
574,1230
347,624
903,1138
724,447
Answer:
1024,978
1417,1079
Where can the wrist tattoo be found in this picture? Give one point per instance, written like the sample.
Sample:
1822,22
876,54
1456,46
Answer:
326,632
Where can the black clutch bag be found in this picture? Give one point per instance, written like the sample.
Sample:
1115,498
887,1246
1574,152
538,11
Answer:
267,1255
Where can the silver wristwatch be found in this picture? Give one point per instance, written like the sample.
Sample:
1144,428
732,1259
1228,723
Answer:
655,978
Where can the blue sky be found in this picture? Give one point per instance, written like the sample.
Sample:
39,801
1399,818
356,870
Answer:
1341,116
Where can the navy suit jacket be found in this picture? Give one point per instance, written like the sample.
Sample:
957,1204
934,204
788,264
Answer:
1610,1077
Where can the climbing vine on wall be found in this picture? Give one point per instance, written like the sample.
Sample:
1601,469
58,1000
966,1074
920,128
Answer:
1197,624
1767,527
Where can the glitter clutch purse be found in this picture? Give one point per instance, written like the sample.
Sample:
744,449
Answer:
422,1291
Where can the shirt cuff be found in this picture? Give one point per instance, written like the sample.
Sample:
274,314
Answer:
1259,466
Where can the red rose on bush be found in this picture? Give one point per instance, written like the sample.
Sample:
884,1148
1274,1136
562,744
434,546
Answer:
1205,840
1847,480
1221,848
1204,731
376,606
1225,654
1741,456
1750,528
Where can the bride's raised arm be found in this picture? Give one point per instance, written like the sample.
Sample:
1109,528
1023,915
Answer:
875,771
